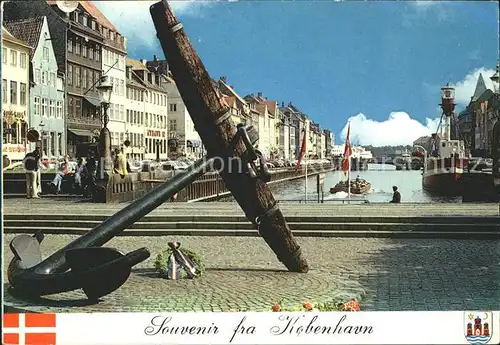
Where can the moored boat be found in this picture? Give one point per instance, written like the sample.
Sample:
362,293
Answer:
448,171
358,186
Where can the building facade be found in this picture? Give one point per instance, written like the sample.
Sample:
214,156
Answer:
46,101
146,113
15,96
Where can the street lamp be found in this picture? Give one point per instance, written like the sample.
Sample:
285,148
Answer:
41,125
105,89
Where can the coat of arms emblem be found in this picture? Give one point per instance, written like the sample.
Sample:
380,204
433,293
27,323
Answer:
478,326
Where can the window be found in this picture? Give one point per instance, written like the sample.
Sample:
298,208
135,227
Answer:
52,109
70,106
37,105
77,47
84,50
122,87
52,79
111,35
77,77
122,112
13,92
70,45
97,54
70,75
37,76
96,78
46,53
85,22
173,107
44,107
172,125
4,90
22,60
128,115
91,53
112,84
93,25
84,79
78,106
59,109
22,94
4,55
44,77
89,78
13,57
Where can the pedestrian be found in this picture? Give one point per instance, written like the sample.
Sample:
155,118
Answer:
80,172
120,163
61,172
396,197
31,166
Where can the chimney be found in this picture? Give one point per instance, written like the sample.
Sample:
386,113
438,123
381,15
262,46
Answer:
259,94
128,72
223,79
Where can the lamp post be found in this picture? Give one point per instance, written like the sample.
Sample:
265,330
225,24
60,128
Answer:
157,150
41,125
105,89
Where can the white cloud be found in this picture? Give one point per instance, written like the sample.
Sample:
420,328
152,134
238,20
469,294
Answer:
465,88
398,129
133,20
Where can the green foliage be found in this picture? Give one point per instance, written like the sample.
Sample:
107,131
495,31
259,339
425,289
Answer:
161,262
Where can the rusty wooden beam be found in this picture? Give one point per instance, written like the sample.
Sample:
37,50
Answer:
207,109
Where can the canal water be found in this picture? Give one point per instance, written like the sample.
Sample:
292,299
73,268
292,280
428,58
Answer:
381,176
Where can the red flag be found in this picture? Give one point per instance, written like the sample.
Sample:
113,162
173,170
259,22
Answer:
29,329
346,162
302,150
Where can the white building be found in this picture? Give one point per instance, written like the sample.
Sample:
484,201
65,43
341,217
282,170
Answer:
184,140
357,151
146,113
15,96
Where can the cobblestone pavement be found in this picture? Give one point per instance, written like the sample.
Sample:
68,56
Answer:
243,273
50,205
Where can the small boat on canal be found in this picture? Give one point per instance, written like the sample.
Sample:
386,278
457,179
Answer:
358,186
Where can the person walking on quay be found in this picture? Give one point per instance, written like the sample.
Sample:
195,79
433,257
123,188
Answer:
120,163
31,166
396,197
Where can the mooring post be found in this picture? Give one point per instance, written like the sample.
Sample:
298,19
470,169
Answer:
213,122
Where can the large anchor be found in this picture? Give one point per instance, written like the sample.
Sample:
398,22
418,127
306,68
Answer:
83,263
252,154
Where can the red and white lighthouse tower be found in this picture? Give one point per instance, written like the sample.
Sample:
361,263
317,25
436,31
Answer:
448,106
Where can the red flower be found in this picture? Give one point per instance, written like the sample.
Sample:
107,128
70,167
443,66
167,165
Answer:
276,307
352,305
308,306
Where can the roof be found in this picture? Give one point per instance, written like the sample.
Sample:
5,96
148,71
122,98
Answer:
136,64
230,89
89,6
28,30
6,35
480,88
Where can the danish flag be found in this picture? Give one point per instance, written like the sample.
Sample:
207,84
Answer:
29,329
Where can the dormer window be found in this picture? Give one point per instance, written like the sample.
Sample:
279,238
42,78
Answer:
85,20
111,35
93,25
76,16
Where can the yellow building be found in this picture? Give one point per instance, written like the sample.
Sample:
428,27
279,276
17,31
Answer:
15,96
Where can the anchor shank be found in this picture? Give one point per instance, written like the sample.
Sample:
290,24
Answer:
126,216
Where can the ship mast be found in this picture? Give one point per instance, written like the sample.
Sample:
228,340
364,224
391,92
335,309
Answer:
448,106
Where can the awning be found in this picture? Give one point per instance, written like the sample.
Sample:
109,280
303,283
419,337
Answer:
193,143
94,101
81,132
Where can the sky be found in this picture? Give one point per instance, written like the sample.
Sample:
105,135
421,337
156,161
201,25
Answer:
378,65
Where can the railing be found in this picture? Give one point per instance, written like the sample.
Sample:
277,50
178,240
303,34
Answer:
211,186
